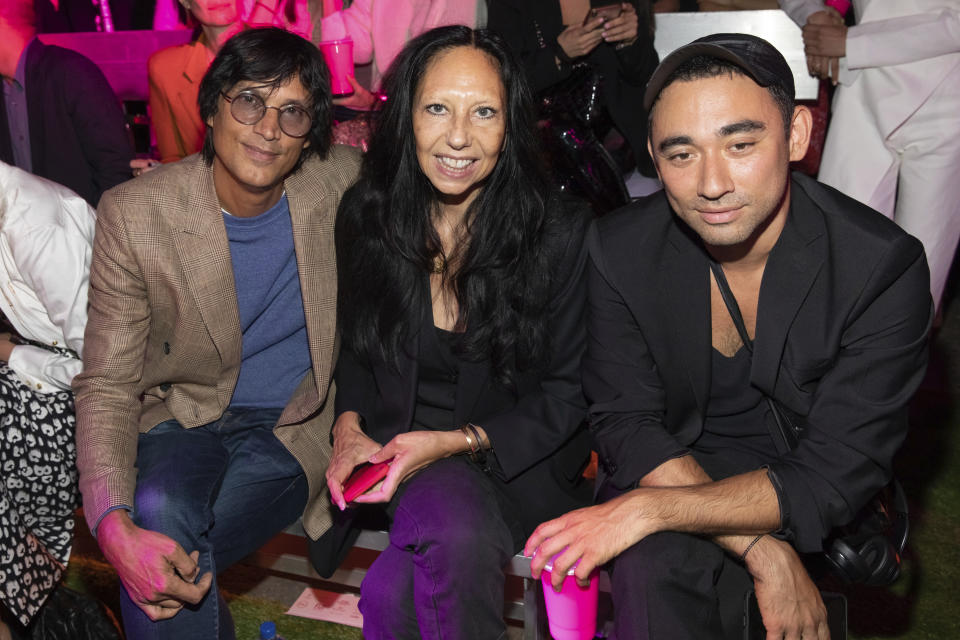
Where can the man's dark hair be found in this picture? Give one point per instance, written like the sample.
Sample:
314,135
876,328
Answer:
705,66
272,56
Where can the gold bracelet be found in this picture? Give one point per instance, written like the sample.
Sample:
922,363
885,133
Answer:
479,456
473,447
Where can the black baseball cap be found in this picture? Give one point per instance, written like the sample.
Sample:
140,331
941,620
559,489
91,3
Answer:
758,58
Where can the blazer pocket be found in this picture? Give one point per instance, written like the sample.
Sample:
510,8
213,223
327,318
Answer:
799,380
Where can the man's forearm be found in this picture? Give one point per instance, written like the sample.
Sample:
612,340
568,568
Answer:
734,511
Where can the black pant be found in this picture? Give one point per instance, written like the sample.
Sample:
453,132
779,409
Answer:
676,586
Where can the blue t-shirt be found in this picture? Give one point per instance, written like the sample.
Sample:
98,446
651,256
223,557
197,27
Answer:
276,355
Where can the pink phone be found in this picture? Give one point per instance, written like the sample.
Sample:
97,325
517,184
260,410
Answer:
363,478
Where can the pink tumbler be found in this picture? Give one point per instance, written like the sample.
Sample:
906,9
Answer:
339,57
572,613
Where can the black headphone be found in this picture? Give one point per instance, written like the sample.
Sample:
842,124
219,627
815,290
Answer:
867,551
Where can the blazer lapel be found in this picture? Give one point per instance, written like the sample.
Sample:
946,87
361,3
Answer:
684,295
6,145
204,251
791,269
313,222
193,71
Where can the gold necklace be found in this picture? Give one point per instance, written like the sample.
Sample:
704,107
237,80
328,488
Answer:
439,264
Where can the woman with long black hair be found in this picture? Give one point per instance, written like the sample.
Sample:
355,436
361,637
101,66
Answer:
461,302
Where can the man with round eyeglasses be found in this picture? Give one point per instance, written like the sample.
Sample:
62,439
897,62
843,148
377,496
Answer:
247,107
204,411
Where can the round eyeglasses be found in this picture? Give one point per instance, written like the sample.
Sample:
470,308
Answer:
248,108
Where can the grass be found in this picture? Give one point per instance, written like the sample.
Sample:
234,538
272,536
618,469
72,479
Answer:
922,605
90,573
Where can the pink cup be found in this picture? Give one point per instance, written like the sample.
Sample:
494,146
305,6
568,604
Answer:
572,613
339,57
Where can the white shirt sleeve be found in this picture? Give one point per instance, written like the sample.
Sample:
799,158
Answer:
54,262
904,39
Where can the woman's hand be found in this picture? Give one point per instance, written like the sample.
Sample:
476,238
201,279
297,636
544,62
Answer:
410,452
139,166
351,447
822,66
829,40
623,28
578,40
359,99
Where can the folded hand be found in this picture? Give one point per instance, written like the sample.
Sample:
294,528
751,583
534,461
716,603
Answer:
159,576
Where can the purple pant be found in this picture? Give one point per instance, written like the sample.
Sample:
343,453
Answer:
442,574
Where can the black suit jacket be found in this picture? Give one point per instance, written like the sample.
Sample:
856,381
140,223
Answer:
841,330
625,71
540,447
77,132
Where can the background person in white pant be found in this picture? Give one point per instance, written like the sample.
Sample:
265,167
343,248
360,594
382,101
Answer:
894,139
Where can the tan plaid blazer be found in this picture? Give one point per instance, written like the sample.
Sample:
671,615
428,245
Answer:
163,334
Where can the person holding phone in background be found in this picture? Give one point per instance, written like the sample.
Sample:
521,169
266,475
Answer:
461,299
552,36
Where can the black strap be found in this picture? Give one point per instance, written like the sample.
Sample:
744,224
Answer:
785,430
731,302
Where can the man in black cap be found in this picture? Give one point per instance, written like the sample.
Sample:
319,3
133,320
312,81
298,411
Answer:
703,498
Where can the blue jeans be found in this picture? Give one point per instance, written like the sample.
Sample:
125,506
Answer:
442,574
223,488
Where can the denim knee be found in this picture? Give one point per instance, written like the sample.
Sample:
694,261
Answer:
167,506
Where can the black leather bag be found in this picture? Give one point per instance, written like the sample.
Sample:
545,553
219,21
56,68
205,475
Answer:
71,615
868,549
571,112
578,95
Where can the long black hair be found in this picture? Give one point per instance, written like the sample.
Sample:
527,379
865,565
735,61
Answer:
386,239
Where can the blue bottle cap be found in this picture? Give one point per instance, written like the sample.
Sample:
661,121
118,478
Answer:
268,630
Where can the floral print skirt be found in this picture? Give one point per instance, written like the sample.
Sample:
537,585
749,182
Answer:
38,492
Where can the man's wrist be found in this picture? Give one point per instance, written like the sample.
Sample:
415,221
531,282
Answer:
117,519
767,554
651,511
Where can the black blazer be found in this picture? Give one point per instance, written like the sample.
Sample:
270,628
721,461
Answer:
77,132
625,71
540,446
841,331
